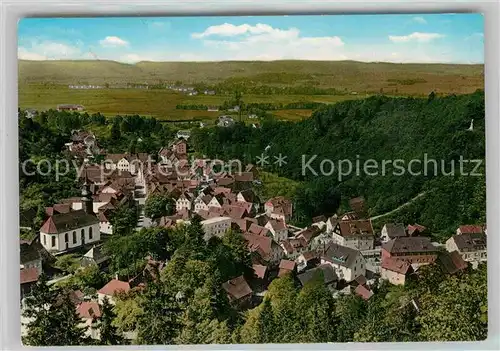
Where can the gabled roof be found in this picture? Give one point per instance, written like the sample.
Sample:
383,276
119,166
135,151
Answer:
29,275
276,224
409,245
257,229
243,177
237,288
259,243
363,291
356,227
470,229
319,219
259,270
96,254
470,242
287,264
113,287
249,196
329,275
451,262
341,255
88,310
395,230
309,233
416,228
64,222
396,265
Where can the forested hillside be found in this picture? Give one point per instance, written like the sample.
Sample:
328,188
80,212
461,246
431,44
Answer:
379,128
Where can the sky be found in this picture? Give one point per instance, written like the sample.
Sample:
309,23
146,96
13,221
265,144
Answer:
422,38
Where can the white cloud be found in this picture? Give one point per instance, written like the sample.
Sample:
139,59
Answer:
419,19
229,30
112,41
415,36
49,50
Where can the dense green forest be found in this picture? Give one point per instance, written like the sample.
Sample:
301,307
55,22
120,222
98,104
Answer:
378,128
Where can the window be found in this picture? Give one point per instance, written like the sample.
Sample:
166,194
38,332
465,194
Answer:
66,237
53,241
82,233
90,233
74,237
44,240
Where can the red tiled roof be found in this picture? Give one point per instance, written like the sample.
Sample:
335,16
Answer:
29,275
362,291
277,225
88,310
237,288
415,227
287,264
262,244
396,265
113,287
260,270
471,229
356,227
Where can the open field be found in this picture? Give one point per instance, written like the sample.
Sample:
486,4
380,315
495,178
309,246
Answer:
404,79
159,103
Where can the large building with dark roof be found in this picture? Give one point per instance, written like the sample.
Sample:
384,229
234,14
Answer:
415,250
471,246
348,263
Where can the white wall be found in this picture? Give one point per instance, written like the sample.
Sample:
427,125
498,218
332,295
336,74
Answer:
60,242
217,227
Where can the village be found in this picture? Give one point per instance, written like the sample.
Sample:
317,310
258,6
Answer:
352,256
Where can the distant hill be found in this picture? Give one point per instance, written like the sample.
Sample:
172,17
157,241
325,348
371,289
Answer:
414,79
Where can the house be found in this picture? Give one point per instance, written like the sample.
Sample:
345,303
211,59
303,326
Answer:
319,221
265,247
258,230
278,229
363,292
307,260
357,234
249,196
391,231
309,234
451,262
183,134
472,247
395,270
70,107
88,311
327,273
30,258
238,291
470,229
201,203
215,226
180,147
416,250
416,229
105,225
64,231
184,202
113,287
28,278
347,262
225,121
95,256
294,247
331,223
285,267
132,163
279,208
261,277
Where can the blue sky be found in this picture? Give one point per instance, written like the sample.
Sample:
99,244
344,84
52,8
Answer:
456,38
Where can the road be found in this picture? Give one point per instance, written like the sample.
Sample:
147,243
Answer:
399,207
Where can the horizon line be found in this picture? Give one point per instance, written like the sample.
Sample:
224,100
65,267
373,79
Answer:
263,61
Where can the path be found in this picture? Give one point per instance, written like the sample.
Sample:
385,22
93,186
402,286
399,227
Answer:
399,207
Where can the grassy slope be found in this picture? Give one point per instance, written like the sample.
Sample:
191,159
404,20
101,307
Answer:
342,75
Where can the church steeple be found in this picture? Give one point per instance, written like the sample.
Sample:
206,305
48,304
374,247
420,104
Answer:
87,201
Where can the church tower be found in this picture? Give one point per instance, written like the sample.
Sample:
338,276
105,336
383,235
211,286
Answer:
87,201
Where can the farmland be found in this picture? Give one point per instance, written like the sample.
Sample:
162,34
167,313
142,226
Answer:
44,84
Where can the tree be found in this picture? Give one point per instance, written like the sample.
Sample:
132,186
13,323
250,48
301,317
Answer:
115,131
53,317
159,325
157,206
108,332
